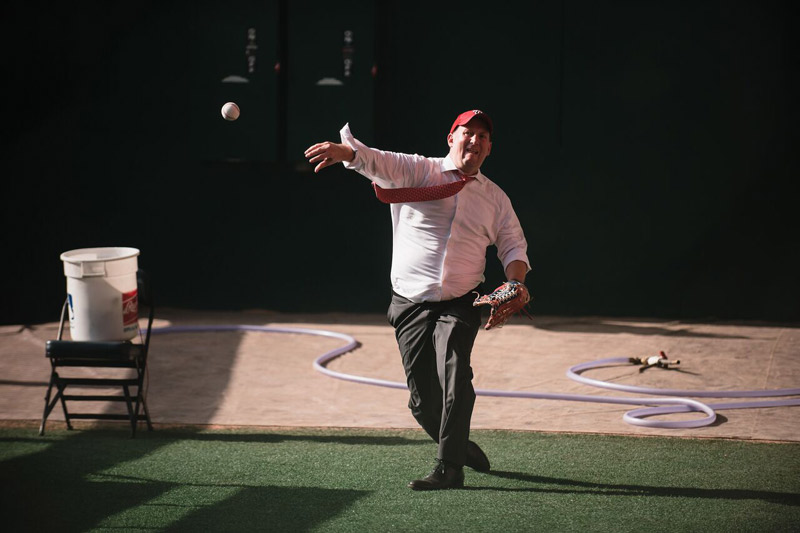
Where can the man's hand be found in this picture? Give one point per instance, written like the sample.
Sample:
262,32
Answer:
328,153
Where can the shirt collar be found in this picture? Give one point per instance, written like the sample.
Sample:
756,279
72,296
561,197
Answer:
448,165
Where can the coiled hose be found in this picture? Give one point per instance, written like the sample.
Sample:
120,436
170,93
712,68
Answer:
675,403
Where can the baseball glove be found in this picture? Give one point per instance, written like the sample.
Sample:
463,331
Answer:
507,300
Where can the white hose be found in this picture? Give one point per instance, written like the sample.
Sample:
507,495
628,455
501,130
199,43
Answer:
635,417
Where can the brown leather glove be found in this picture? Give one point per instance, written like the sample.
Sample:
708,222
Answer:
507,300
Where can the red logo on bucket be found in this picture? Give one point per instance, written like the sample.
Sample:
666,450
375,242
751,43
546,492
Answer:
130,308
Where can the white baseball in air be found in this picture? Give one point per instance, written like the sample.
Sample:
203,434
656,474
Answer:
230,111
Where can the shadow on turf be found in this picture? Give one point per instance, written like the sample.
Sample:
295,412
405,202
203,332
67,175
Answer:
78,482
567,486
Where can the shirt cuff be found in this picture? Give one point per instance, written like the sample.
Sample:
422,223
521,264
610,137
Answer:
516,257
355,144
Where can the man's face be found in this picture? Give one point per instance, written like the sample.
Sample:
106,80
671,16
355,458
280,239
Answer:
469,145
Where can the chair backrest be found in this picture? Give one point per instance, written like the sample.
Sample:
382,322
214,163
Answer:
145,297
63,318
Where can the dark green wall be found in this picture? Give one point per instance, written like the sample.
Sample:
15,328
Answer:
647,146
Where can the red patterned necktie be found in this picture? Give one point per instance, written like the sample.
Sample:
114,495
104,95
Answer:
421,194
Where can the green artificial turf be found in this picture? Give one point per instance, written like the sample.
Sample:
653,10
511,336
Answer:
355,480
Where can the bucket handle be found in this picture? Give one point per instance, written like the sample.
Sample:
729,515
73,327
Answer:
91,269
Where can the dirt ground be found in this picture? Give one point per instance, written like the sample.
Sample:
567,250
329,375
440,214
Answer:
255,378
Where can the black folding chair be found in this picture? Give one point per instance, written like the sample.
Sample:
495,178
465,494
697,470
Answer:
89,354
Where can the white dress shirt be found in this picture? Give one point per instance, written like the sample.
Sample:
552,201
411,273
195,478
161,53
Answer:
439,247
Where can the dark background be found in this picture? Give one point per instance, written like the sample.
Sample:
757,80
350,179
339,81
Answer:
648,147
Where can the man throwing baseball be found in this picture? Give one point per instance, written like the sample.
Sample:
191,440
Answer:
445,213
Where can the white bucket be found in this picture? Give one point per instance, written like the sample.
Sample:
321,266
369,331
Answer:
102,293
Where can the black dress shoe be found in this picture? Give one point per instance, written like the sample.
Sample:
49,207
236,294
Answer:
476,459
444,476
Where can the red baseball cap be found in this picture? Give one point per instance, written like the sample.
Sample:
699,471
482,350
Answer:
466,116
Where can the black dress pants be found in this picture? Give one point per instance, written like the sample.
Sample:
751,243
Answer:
435,340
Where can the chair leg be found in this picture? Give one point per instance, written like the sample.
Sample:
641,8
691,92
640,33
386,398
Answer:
131,413
141,406
47,406
60,396
50,404
140,400
135,417
146,415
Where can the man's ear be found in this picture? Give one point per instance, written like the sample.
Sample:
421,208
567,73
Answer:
450,140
